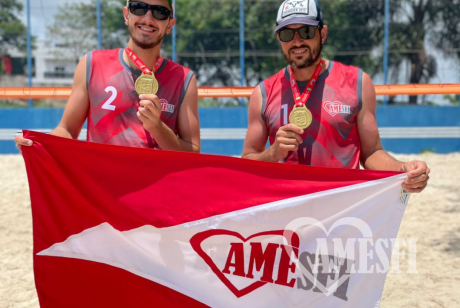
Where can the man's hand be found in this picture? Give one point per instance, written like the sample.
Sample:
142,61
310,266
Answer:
149,111
287,139
21,141
417,176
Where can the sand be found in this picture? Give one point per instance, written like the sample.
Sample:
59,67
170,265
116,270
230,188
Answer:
432,217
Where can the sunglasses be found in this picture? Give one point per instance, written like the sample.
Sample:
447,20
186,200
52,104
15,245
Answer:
140,9
305,33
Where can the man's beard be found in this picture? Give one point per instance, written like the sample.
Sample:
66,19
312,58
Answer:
309,61
145,44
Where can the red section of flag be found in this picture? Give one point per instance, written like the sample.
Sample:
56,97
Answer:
73,283
77,185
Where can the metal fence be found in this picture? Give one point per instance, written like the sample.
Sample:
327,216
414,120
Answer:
231,42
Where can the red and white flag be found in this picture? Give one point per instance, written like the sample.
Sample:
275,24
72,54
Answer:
129,227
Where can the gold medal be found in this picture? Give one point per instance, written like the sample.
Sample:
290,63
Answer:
146,84
300,116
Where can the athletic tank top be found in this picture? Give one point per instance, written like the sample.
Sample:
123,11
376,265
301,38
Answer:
114,102
332,138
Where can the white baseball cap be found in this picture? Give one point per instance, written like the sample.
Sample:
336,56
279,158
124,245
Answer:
305,12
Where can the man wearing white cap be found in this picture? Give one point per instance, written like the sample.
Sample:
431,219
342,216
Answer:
315,111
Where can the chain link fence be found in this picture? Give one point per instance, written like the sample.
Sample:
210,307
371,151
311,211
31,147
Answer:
208,42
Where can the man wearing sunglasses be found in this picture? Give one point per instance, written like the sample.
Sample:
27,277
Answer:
104,90
318,112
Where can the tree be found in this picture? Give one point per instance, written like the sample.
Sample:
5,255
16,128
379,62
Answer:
452,99
115,33
416,23
356,35
75,28
208,35
355,28
12,31
73,31
207,39
264,56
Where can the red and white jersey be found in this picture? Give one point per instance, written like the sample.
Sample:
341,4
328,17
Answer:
332,138
114,102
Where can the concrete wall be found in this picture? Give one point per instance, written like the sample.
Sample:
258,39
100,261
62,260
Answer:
402,129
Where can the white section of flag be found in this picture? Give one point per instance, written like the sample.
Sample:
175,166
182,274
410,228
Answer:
165,256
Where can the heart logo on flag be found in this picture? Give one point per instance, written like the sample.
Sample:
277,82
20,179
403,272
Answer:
302,222
288,237
332,107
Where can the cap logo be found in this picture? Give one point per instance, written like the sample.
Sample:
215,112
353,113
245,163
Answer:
294,7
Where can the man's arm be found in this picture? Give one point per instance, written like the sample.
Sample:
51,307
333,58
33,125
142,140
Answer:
188,124
75,112
373,156
287,138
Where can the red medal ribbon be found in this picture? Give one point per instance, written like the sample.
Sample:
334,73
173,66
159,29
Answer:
300,100
141,64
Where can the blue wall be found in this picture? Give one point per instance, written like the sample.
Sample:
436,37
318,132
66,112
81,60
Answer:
403,129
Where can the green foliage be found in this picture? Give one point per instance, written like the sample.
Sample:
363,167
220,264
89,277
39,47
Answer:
453,99
208,35
354,29
260,37
13,103
213,32
417,23
427,151
208,40
218,102
12,31
75,27
115,33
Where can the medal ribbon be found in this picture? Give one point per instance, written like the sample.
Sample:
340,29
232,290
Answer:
300,100
141,64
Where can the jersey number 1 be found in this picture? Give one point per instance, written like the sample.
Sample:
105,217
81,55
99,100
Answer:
284,109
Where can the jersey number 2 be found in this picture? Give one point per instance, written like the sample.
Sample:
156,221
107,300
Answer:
112,97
